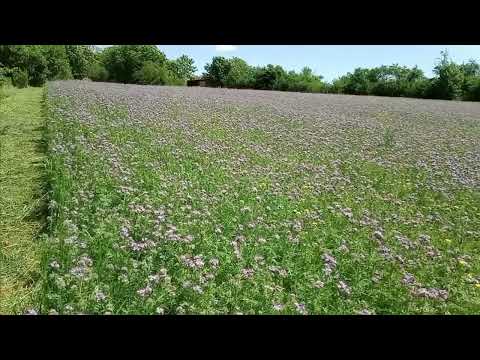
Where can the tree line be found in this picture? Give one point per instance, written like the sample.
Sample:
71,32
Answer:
23,65
33,65
451,81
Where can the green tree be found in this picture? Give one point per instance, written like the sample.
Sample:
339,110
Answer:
80,58
123,61
471,74
268,77
29,58
358,82
19,78
156,74
183,68
97,72
58,66
472,89
240,74
449,79
218,70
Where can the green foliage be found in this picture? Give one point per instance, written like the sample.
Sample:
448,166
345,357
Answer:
97,72
5,79
182,68
217,71
41,62
338,85
240,75
151,73
146,64
449,79
472,92
19,78
58,66
35,64
80,57
305,81
471,80
452,81
156,74
123,61
269,77
359,82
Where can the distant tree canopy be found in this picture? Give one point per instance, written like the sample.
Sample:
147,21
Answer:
47,62
119,63
393,80
451,81
23,65
123,61
182,68
80,57
236,73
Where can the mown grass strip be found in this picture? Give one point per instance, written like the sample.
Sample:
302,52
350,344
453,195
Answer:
21,199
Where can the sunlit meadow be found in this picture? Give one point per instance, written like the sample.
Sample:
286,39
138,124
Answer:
174,200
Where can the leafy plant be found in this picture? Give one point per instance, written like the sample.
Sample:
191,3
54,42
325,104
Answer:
19,78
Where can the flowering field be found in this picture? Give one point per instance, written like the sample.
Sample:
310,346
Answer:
174,200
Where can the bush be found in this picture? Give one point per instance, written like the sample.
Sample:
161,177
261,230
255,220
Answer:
58,67
473,90
19,78
79,58
97,72
155,74
5,79
125,63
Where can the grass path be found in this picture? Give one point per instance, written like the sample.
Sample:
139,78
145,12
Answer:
21,166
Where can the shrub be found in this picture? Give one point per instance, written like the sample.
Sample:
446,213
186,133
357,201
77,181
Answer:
79,58
5,79
97,72
19,78
124,63
473,90
58,67
156,74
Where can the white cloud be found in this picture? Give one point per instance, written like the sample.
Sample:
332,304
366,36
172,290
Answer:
224,48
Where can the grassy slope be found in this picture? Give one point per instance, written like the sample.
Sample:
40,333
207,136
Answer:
20,179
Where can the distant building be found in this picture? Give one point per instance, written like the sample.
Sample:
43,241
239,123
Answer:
197,82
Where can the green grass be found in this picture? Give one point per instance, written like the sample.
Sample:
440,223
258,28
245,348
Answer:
21,157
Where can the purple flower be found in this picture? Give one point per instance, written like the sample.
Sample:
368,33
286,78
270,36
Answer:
300,308
160,311
145,291
330,263
248,273
431,293
278,307
408,279
154,278
198,289
100,296
364,312
344,287
214,262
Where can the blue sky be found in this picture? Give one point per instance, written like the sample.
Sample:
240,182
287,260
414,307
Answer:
330,61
